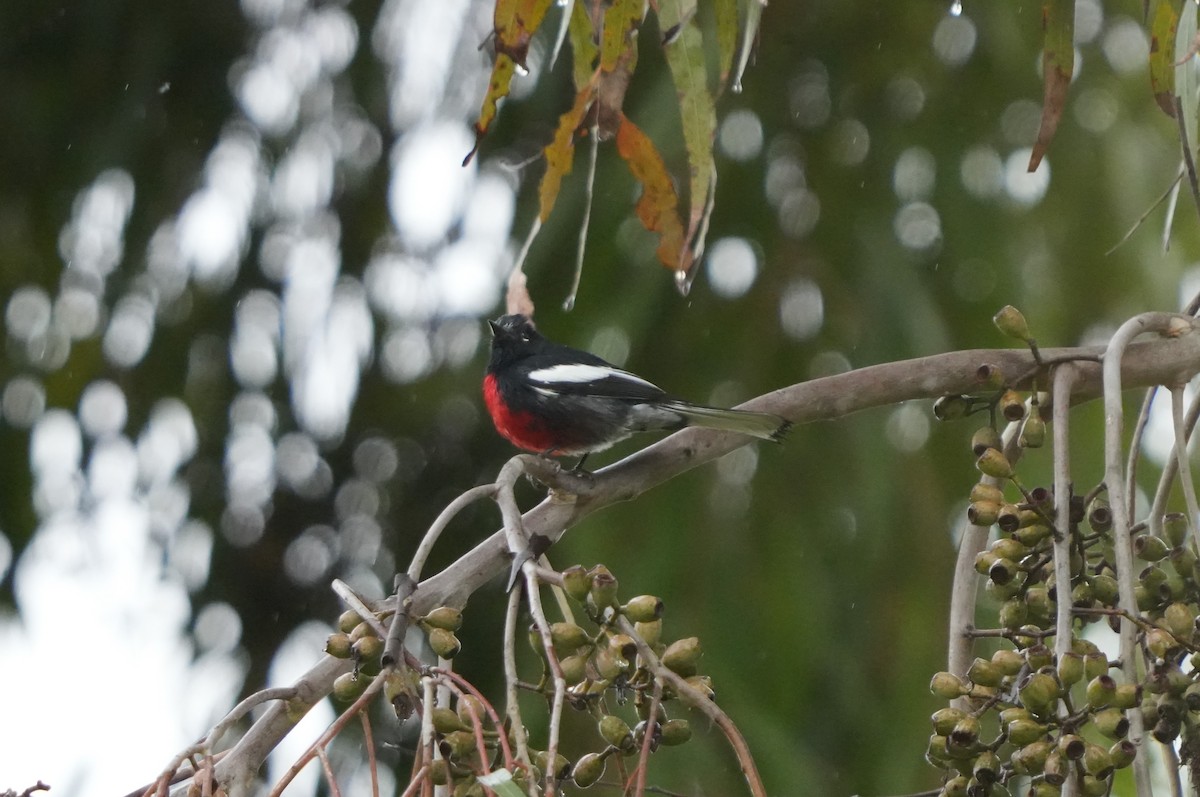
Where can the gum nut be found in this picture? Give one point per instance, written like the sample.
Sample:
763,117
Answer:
577,583
588,769
1011,322
643,609
446,617
338,645
682,655
992,463
444,643
348,621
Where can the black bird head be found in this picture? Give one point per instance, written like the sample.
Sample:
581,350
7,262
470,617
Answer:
513,339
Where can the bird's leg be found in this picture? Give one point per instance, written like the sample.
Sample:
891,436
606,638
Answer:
538,545
578,469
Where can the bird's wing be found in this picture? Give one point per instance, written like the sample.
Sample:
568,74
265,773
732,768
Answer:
584,379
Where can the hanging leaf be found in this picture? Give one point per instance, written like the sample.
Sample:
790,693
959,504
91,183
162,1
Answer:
686,59
620,22
514,23
1185,72
583,44
658,206
727,28
1162,55
1058,63
560,152
754,9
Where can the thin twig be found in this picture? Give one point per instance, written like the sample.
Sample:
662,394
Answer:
351,599
460,686
1113,476
1063,381
328,769
512,706
1181,457
647,739
589,191
1162,491
1188,160
369,741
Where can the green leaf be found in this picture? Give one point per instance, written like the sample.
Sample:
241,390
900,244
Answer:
1058,63
583,44
1185,71
754,10
1162,55
619,22
727,29
685,57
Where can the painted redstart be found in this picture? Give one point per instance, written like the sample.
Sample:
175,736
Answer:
558,401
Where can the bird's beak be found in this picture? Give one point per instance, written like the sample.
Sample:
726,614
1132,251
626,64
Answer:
494,327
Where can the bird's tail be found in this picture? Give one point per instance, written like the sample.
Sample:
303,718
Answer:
755,424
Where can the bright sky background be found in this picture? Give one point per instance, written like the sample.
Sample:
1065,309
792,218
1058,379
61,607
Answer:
103,613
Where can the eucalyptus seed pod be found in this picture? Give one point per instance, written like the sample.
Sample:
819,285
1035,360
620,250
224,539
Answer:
1183,560
1070,668
1180,621
1105,588
984,439
952,407
643,609
444,643
1095,665
1111,722
984,561
457,744
467,703
604,587
1012,406
1039,603
1011,321
675,732
1002,592
1014,713
955,787
1009,662
349,685
983,672
367,651
1032,534
338,645
1033,431
623,647
574,668
1071,745
1149,548
1039,656
616,732
577,583
445,617
937,751
447,721
1003,571
609,665
982,491
587,770
1031,758
651,633
439,772
1191,697
1024,732
965,732
1097,761
1099,515
983,513
987,768
1092,786
1123,753
1127,696
568,638
1008,518
561,768
1008,548
1101,691
944,720
348,621
468,787
1175,527
361,630
1038,691
1013,613
1056,768
1044,789
1160,643
947,685
682,655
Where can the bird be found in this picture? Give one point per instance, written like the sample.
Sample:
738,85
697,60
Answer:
555,400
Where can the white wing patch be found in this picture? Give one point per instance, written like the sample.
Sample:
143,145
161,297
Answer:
577,372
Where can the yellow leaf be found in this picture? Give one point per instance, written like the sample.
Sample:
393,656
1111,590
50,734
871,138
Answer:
560,152
658,206
619,22
1162,55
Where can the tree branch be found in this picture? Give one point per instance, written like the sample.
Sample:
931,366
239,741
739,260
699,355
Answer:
1171,360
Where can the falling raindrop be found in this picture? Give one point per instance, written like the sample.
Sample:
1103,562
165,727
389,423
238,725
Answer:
956,8
737,87
682,283
522,70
